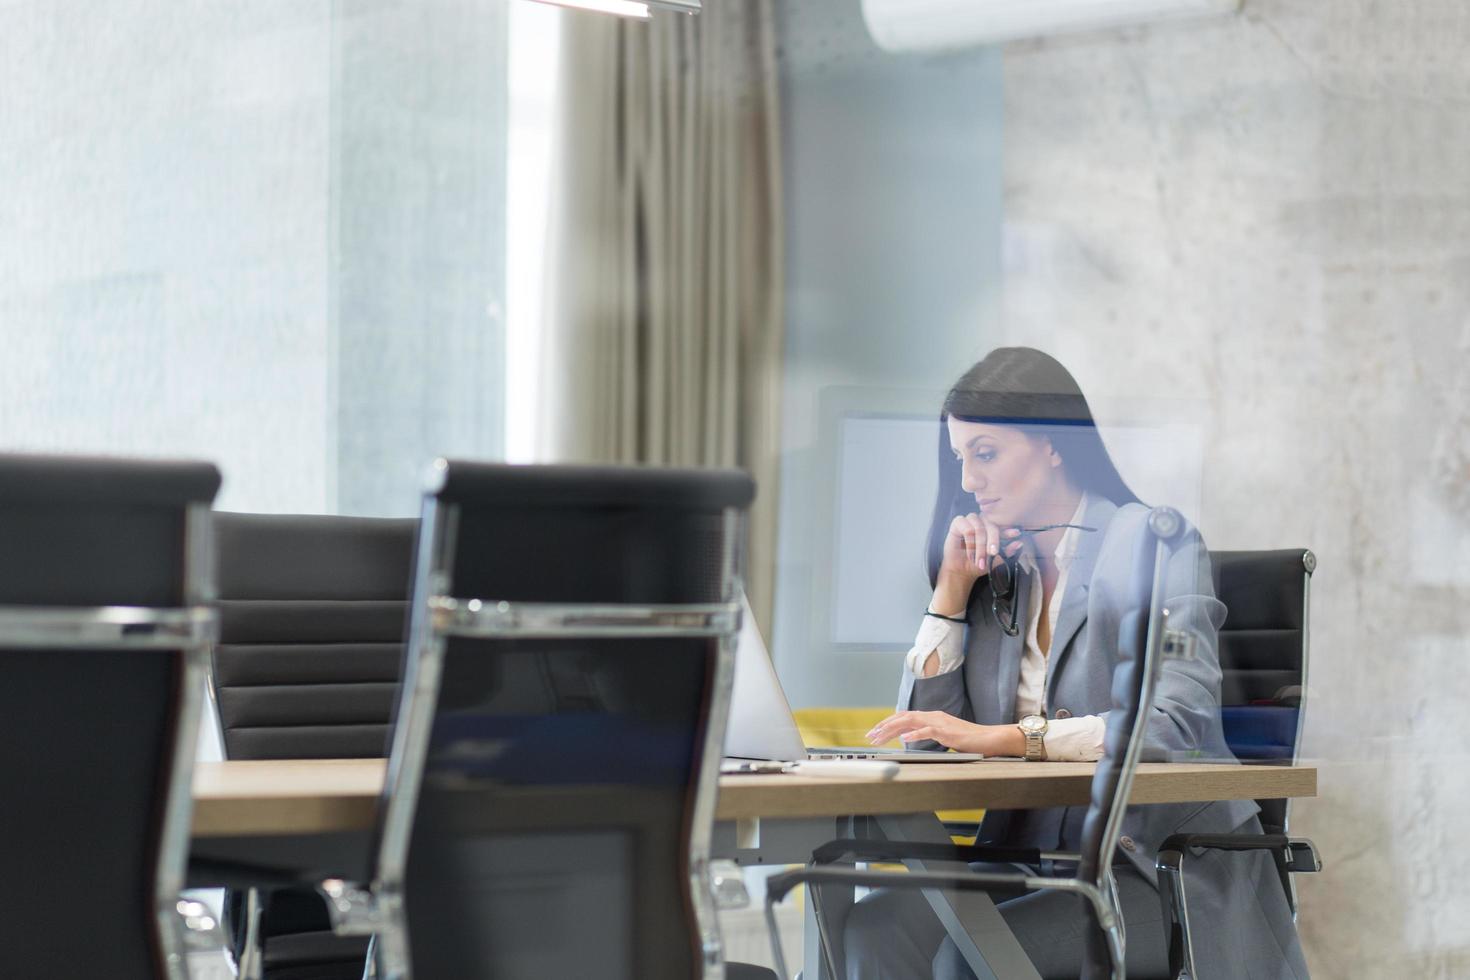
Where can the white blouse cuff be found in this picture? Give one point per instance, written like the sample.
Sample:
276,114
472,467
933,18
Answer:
937,636
1075,739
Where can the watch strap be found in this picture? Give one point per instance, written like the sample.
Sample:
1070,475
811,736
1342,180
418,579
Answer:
1035,740
1035,746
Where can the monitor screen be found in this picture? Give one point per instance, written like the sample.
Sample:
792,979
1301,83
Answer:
883,499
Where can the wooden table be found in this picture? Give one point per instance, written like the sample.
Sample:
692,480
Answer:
317,813
327,796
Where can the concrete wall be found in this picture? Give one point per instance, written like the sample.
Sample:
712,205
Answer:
1270,214
418,289
268,234
163,223
893,267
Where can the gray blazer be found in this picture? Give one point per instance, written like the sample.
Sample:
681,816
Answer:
1237,904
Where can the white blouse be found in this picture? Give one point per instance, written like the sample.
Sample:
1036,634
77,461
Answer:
1068,739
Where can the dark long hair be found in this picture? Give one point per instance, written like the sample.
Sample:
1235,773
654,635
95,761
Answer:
1021,387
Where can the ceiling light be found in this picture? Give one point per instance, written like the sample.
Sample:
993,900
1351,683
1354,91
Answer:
630,8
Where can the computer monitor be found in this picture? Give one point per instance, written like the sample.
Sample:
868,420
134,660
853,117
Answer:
884,490
883,499
853,583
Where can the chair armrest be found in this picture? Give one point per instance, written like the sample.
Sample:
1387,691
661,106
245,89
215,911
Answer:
1291,855
778,885
877,849
352,907
202,931
1297,855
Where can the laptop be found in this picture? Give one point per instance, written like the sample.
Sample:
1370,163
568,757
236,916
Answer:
761,725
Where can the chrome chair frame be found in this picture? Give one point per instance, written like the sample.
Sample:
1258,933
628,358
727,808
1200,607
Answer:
1293,855
191,631
435,616
1100,893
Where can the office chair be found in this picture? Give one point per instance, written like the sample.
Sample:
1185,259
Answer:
551,785
1144,644
312,617
1263,657
104,639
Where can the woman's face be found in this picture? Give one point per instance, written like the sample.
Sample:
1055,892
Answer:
1011,474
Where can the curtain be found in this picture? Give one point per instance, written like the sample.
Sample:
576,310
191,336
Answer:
665,294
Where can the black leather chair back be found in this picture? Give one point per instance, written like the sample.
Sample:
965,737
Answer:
1263,656
554,819
88,734
312,612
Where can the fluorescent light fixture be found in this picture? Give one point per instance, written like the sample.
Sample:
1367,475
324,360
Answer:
623,8
630,8
934,25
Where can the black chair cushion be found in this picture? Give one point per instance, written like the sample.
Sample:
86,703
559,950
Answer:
1264,589
312,616
105,481
85,744
649,535
551,830
1261,649
96,532
87,736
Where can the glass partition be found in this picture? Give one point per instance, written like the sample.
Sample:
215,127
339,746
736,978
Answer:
322,244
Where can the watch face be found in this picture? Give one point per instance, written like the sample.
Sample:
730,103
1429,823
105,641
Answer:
1032,723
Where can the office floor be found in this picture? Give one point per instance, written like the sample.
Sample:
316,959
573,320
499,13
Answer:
746,939
744,931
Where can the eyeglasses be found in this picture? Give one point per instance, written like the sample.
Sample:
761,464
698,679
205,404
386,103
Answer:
1003,575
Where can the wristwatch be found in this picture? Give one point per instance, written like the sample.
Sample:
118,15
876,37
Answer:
1034,728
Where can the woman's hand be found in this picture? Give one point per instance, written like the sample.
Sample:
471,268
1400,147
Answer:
951,732
968,547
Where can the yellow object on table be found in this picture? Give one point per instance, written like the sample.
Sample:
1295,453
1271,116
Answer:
850,726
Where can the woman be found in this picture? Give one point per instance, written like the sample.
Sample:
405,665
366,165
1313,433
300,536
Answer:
1023,667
